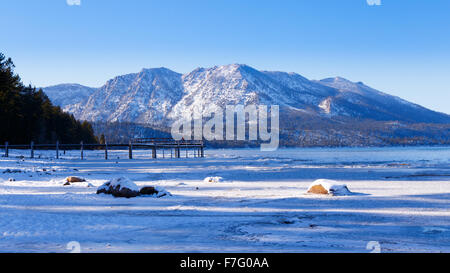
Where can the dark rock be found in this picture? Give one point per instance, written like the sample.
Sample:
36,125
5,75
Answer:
148,191
125,192
12,171
155,191
105,188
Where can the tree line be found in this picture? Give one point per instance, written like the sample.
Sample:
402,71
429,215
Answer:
27,114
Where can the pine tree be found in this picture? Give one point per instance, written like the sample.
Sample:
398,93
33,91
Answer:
27,114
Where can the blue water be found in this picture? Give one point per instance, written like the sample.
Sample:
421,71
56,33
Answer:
426,156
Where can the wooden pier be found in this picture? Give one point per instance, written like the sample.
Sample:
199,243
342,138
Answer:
154,144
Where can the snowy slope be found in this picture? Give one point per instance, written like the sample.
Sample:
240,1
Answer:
143,97
65,95
361,101
238,84
306,91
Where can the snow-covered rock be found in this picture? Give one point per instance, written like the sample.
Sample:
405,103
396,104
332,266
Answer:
155,191
330,187
120,187
75,179
124,187
213,179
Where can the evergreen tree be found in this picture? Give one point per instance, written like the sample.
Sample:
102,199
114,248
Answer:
102,139
27,114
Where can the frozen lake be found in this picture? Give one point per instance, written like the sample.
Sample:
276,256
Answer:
402,201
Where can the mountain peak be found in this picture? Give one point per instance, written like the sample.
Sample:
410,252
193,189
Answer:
66,85
337,80
345,85
233,67
157,70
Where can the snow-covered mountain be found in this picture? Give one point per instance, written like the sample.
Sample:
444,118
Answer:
65,95
361,101
157,96
241,84
145,97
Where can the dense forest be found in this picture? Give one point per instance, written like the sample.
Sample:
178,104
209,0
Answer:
123,132
27,114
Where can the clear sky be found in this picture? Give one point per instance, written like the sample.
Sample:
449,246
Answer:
401,47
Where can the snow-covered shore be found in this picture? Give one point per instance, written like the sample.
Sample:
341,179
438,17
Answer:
402,201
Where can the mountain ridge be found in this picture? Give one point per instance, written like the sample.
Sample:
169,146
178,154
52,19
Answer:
157,96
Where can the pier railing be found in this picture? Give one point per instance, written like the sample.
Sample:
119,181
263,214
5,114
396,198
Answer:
153,144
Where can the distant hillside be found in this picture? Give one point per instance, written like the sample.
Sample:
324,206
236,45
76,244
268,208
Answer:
72,94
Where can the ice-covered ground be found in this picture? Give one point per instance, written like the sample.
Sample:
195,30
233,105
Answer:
402,201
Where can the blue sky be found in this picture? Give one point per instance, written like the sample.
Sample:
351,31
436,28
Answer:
401,47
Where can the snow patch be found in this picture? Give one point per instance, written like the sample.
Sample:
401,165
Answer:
325,105
162,192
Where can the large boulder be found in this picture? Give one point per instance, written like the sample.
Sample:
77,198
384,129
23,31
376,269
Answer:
328,187
120,187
